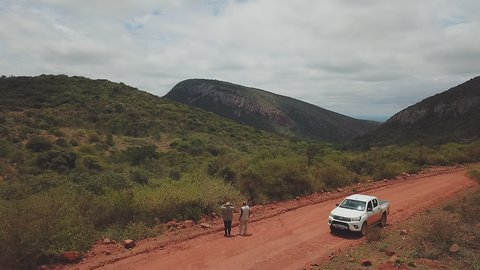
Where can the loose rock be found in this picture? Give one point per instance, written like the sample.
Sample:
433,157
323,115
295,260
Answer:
129,243
366,262
454,248
71,257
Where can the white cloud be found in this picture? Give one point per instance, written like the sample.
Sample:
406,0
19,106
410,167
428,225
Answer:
360,58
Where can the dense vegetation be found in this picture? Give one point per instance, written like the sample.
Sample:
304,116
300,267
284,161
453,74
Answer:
81,159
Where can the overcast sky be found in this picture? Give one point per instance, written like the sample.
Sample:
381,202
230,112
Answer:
362,58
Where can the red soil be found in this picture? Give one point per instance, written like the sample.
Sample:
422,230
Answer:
286,235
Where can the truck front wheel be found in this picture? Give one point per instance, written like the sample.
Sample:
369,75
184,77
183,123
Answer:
363,230
383,222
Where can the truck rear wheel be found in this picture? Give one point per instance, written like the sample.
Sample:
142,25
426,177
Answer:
383,222
363,230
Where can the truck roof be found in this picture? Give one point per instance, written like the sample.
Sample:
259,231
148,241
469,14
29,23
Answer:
360,197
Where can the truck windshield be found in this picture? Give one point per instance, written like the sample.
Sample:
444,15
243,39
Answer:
353,204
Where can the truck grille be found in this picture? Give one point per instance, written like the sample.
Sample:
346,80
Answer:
341,218
340,223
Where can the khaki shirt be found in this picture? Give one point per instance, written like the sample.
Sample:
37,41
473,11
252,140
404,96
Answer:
227,212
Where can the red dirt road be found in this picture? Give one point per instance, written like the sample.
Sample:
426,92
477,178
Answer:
295,239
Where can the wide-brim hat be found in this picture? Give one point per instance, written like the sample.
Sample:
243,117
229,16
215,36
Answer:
228,204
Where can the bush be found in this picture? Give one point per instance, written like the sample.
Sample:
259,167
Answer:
187,198
42,226
138,154
375,234
474,173
39,144
139,177
92,163
335,175
60,161
437,235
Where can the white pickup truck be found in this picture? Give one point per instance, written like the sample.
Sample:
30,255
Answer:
358,212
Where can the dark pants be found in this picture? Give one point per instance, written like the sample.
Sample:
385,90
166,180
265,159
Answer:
228,227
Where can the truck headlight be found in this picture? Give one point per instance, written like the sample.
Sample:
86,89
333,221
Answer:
331,215
357,219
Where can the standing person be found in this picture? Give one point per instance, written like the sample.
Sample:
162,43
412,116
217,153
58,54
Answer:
227,215
244,216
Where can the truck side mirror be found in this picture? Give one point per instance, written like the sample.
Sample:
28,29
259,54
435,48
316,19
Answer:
336,204
369,209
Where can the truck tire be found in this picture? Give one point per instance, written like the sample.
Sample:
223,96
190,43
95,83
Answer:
332,230
383,221
363,230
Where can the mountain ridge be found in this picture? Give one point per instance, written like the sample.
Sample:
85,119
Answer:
452,115
268,111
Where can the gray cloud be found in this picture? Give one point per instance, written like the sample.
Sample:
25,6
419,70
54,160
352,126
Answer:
360,58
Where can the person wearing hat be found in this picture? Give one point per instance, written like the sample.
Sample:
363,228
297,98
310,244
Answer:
227,215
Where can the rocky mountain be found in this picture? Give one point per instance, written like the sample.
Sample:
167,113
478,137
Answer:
453,115
268,111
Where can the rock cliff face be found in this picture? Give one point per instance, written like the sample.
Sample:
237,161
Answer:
453,115
268,111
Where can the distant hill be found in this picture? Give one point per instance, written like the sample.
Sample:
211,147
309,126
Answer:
268,111
453,115
33,105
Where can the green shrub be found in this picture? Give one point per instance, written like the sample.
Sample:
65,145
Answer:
92,163
139,176
187,198
438,234
36,229
60,161
335,175
474,173
137,155
389,170
39,144
375,234
5,148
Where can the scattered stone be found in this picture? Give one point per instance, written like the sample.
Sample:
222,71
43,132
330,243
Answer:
432,263
108,252
454,248
129,243
366,262
390,253
71,257
393,259
339,190
188,223
214,215
403,232
172,223
297,198
106,241
205,225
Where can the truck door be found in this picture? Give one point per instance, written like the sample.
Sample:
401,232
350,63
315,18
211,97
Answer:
373,215
370,213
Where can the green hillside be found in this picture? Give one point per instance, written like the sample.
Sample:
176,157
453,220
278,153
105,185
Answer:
82,159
